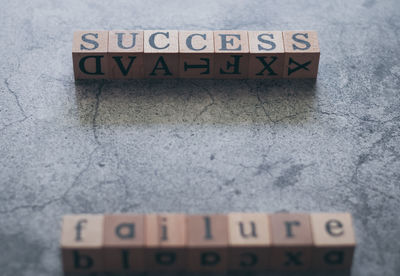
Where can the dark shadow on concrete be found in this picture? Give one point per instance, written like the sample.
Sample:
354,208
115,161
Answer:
193,102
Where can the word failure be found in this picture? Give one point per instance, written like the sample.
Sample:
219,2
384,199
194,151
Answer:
195,54
205,243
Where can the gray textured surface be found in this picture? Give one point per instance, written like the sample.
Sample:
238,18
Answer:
198,146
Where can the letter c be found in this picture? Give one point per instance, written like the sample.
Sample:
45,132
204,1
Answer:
189,41
152,42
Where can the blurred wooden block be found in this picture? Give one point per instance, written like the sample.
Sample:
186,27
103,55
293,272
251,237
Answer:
89,54
231,54
196,54
165,242
267,54
82,242
291,241
161,54
207,242
124,243
249,241
334,240
301,54
125,54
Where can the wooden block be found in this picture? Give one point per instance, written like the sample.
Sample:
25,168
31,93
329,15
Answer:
124,243
334,240
196,54
161,54
125,54
165,242
301,54
207,242
291,241
82,243
89,54
267,54
231,54
249,241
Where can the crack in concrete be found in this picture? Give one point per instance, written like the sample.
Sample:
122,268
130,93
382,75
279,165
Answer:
30,206
354,116
74,183
263,107
361,190
261,102
62,197
206,107
12,92
14,122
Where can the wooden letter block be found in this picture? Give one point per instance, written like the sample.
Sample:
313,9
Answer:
82,242
301,54
196,54
161,54
123,243
231,54
334,241
249,241
207,243
291,241
267,54
89,54
165,242
125,54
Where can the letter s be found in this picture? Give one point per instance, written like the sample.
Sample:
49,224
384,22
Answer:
90,41
305,42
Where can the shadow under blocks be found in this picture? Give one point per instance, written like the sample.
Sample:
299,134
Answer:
171,54
268,102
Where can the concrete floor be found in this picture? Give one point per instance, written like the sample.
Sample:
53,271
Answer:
198,146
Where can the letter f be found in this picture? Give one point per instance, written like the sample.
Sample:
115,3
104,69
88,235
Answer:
78,228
